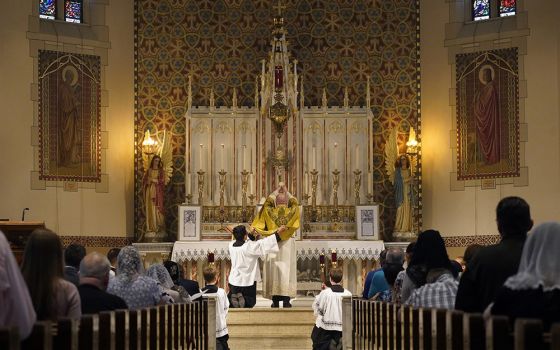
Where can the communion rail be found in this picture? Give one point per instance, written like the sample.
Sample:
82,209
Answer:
387,326
176,326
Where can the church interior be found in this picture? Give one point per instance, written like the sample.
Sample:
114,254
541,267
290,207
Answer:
356,124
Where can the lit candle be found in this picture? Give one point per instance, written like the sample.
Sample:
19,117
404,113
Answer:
200,157
314,157
336,155
244,158
357,152
222,157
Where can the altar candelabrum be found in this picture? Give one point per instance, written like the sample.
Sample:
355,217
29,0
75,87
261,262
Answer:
357,185
244,185
189,198
200,185
222,174
314,182
336,180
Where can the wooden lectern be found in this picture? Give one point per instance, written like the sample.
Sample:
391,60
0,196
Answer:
17,233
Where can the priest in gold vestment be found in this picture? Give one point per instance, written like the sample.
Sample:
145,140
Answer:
279,271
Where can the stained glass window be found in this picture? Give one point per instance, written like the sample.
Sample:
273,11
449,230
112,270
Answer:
507,8
481,9
73,11
47,9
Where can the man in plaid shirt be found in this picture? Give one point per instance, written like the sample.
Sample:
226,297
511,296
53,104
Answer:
439,291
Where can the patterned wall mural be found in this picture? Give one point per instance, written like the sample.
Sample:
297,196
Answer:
338,44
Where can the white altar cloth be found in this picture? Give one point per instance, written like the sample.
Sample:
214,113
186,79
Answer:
346,250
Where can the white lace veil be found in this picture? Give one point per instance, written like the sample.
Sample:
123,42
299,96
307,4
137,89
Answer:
540,260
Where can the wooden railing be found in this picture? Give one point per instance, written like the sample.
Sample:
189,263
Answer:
378,325
177,326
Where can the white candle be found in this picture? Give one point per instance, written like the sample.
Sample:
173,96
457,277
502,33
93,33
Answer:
370,183
251,183
222,157
336,155
314,157
188,184
357,152
200,157
305,183
244,158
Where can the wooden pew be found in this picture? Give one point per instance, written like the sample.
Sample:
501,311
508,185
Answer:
454,329
107,330
134,329
9,338
439,329
555,336
498,335
66,336
528,334
474,334
121,330
88,332
40,337
425,328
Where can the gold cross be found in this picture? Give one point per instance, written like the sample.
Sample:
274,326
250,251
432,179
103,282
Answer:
279,7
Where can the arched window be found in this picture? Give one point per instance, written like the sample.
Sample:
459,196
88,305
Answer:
73,10
486,9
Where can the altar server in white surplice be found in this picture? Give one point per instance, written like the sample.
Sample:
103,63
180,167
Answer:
327,307
245,272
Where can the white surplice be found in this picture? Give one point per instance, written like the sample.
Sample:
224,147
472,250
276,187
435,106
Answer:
245,260
327,307
280,271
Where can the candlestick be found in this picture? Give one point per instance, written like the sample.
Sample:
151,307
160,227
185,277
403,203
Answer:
222,174
322,259
314,181
210,257
200,157
244,185
222,158
334,259
336,178
357,185
200,186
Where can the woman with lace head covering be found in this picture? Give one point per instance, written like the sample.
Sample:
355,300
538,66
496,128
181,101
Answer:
534,292
130,284
159,273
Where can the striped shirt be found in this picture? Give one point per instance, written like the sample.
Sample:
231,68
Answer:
439,294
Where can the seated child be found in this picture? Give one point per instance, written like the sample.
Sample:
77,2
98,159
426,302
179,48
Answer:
222,304
327,332
245,270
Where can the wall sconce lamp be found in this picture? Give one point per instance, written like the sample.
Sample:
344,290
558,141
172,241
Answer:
149,145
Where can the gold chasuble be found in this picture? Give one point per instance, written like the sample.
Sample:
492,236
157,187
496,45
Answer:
273,215
279,269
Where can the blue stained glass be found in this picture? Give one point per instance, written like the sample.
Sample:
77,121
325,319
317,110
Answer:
481,9
507,8
73,11
47,9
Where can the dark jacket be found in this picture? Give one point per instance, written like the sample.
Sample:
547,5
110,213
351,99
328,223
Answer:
190,286
94,300
71,275
487,272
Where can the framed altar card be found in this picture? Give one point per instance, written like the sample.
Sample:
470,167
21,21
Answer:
367,222
189,223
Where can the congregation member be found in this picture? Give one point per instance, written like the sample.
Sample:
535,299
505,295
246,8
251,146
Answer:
16,306
131,285
245,272
222,306
397,286
492,265
393,266
327,308
534,292
429,277
112,255
470,252
73,255
53,297
159,273
370,274
190,286
94,279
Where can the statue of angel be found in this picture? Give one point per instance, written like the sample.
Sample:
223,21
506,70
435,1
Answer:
158,173
399,170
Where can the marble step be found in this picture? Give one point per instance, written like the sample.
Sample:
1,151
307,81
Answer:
269,342
259,316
